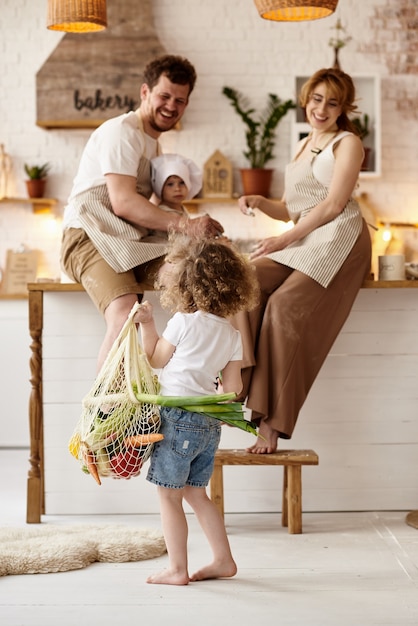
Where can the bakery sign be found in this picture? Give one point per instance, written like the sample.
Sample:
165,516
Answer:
91,77
99,101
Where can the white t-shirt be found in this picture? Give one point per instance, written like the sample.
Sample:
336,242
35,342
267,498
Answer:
205,344
115,147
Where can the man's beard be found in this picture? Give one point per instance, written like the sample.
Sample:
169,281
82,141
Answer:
158,128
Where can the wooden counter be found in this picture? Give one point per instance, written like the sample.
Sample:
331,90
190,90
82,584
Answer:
36,291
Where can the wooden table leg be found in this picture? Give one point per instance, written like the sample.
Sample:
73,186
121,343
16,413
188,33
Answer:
285,500
294,497
217,488
35,505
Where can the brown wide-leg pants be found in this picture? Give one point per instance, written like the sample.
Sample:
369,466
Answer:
288,336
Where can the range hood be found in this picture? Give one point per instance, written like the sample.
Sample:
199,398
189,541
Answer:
92,77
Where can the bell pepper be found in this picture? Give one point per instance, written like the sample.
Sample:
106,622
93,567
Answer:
127,462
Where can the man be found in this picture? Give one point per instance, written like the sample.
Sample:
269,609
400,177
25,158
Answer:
107,245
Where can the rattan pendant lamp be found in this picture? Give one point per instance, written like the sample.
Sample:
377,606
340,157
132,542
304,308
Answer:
77,16
295,10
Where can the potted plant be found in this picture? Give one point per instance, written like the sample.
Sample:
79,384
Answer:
340,40
37,179
361,125
260,136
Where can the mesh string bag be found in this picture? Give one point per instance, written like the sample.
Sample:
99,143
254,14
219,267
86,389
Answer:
115,433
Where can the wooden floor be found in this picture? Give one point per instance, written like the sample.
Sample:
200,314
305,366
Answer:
346,569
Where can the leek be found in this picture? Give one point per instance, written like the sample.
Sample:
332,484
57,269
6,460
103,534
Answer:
148,398
216,406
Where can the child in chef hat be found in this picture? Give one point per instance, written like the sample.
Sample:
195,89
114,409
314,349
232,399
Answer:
175,179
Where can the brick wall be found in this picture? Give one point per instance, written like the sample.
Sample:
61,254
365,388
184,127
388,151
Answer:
395,25
230,45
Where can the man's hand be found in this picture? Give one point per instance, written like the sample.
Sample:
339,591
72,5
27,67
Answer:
204,226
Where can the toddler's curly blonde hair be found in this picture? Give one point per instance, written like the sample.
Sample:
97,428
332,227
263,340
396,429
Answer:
208,275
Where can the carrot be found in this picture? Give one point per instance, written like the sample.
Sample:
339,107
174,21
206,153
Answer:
90,461
142,440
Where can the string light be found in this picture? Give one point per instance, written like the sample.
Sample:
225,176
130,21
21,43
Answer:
387,233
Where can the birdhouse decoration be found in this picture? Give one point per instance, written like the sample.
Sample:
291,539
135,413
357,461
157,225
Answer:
217,177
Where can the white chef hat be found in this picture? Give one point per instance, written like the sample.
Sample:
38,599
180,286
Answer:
167,165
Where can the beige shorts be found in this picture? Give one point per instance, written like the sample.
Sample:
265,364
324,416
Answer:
82,263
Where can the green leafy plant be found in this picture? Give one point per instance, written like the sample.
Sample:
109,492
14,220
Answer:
341,38
37,172
260,134
362,126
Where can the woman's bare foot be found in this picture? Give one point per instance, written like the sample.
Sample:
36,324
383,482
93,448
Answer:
225,569
168,577
266,442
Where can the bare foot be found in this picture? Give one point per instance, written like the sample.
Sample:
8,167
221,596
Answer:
168,577
267,441
225,569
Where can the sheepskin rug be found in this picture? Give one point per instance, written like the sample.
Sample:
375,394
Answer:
52,548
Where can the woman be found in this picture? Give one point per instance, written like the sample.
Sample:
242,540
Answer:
310,275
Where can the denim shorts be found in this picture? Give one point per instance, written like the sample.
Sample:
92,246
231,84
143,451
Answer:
186,454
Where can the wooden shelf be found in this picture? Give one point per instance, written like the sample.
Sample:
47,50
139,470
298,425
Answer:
211,200
197,201
193,205
13,296
39,205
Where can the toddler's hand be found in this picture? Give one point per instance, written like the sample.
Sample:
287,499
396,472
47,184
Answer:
144,313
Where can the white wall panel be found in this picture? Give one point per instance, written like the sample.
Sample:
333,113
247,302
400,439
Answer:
361,417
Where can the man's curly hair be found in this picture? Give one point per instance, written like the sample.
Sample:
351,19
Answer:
208,275
177,69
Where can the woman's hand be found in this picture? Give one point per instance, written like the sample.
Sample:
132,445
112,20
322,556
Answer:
275,209
247,204
266,246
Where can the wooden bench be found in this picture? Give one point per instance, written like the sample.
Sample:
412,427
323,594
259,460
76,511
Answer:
291,460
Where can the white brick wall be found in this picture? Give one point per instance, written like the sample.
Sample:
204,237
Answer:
230,45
